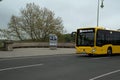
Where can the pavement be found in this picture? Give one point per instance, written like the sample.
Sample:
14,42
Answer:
23,52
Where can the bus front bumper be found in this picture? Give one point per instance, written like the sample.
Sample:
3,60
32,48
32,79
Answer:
86,51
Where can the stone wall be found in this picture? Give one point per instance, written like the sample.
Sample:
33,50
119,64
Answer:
41,45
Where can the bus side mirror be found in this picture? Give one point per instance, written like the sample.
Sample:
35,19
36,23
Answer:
73,34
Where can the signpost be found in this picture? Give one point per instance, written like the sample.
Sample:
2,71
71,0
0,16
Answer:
53,41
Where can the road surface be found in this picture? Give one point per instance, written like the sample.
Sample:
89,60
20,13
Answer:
60,67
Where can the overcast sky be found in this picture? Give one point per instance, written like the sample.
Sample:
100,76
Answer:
74,13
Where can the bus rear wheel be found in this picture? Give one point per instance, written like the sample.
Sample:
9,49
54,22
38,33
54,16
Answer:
109,51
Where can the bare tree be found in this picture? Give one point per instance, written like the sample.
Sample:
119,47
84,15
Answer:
35,23
5,34
15,28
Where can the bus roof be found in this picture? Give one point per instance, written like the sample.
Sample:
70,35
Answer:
92,27
102,28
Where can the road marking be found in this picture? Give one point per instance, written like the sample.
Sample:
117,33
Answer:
5,59
13,58
20,67
106,74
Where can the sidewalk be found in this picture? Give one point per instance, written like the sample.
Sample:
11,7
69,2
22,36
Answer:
22,52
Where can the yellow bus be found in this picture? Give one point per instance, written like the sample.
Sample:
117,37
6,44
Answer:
97,41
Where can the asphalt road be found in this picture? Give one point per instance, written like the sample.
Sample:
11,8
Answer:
61,67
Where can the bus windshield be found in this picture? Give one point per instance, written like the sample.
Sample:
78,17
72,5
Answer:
85,37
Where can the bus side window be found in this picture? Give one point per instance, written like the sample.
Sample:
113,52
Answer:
101,38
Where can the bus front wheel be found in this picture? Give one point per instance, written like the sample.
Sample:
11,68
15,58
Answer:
90,55
109,51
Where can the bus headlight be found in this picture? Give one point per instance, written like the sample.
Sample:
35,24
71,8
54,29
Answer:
93,50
